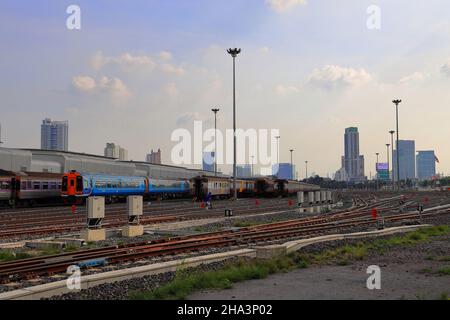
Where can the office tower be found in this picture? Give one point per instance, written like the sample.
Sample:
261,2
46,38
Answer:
426,164
113,150
407,160
54,135
154,157
352,161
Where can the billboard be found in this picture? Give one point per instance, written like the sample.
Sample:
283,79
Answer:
382,171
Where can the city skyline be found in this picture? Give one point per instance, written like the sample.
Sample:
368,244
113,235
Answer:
168,75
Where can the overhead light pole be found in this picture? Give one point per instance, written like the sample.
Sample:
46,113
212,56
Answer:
397,102
292,167
252,164
387,154
392,156
376,169
278,150
234,52
306,171
215,110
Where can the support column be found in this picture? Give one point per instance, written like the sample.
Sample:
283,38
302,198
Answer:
300,198
135,210
323,196
317,197
329,197
95,207
311,197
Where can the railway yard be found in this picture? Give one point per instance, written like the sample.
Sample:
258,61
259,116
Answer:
37,245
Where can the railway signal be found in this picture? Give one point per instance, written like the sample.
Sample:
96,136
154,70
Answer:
374,214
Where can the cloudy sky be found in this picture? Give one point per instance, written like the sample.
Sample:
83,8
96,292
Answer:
139,69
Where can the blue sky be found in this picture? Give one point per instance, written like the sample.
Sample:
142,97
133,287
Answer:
139,69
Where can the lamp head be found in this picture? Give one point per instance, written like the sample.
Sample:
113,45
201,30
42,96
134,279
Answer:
234,52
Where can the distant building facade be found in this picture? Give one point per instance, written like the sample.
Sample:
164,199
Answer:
113,150
283,171
426,165
54,135
407,160
352,163
154,157
208,161
244,171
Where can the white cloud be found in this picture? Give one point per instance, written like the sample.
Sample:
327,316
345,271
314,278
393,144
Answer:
165,55
115,87
264,50
171,89
127,61
415,77
285,5
171,69
84,83
189,118
445,69
331,76
285,90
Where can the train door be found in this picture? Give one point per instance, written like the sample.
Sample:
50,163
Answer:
15,190
198,189
260,187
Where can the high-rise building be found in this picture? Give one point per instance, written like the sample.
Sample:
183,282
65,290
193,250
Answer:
113,150
407,160
154,157
426,165
54,135
352,161
283,171
244,171
208,161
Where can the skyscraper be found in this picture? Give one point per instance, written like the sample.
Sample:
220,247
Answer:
113,150
407,160
426,164
54,135
352,161
154,157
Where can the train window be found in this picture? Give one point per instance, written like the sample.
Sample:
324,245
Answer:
23,185
72,182
44,185
79,183
36,185
5,185
29,185
53,185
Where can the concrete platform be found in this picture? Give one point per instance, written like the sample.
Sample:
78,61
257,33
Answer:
40,244
93,235
269,252
130,231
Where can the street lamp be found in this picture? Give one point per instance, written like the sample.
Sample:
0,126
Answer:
234,52
215,110
387,153
397,102
306,172
376,169
392,146
292,168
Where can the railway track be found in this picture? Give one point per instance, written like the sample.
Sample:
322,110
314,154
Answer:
22,269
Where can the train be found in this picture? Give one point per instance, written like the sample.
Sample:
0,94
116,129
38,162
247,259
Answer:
31,188
78,185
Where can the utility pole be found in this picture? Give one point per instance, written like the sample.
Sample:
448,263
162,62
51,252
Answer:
306,172
376,169
234,52
252,165
397,102
215,110
292,168
392,146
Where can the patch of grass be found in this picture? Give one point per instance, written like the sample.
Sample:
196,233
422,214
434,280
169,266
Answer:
440,258
187,282
49,251
7,255
71,248
444,296
243,224
444,271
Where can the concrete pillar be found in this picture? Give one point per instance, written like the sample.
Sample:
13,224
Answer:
329,197
95,207
317,197
300,198
323,196
311,197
